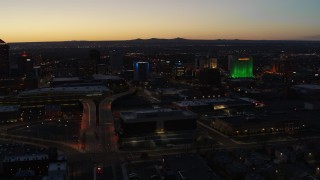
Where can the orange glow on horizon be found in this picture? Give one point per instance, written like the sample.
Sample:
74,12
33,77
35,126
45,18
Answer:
98,20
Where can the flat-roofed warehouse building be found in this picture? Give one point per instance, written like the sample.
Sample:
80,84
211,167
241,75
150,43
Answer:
240,125
157,120
9,114
307,91
205,105
57,95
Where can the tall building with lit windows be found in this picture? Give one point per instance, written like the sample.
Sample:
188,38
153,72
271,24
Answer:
211,63
4,58
240,67
179,69
25,64
141,71
205,62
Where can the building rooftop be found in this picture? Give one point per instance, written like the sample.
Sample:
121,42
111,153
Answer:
307,86
259,120
66,90
33,157
210,101
105,77
9,108
167,91
65,79
25,173
190,103
2,42
155,115
95,77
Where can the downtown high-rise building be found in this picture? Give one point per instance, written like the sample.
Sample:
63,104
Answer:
25,65
116,61
205,62
94,56
4,59
240,67
141,71
179,69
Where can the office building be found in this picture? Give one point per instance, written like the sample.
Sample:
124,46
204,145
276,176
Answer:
95,58
25,64
179,69
305,91
116,61
202,62
157,120
240,125
141,71
4,58
36,163
211,63
9,114
214,103
240,67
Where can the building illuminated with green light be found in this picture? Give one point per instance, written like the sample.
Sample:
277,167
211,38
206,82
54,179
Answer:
240,67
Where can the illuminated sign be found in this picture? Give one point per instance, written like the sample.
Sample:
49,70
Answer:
244,59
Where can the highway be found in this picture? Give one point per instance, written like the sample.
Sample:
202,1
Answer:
106,123
98,135
99,139
89,137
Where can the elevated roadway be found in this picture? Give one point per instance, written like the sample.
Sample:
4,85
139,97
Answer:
98,133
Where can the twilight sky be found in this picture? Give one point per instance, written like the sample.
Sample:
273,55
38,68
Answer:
59,20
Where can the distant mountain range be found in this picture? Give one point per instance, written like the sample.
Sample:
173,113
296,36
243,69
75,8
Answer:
151,42
313,38
176,40
159,39
179,40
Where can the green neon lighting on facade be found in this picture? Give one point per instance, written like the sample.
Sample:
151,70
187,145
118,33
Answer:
242,68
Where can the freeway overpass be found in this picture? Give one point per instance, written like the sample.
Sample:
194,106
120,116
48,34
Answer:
98,133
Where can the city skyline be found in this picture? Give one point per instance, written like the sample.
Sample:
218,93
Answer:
36,20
